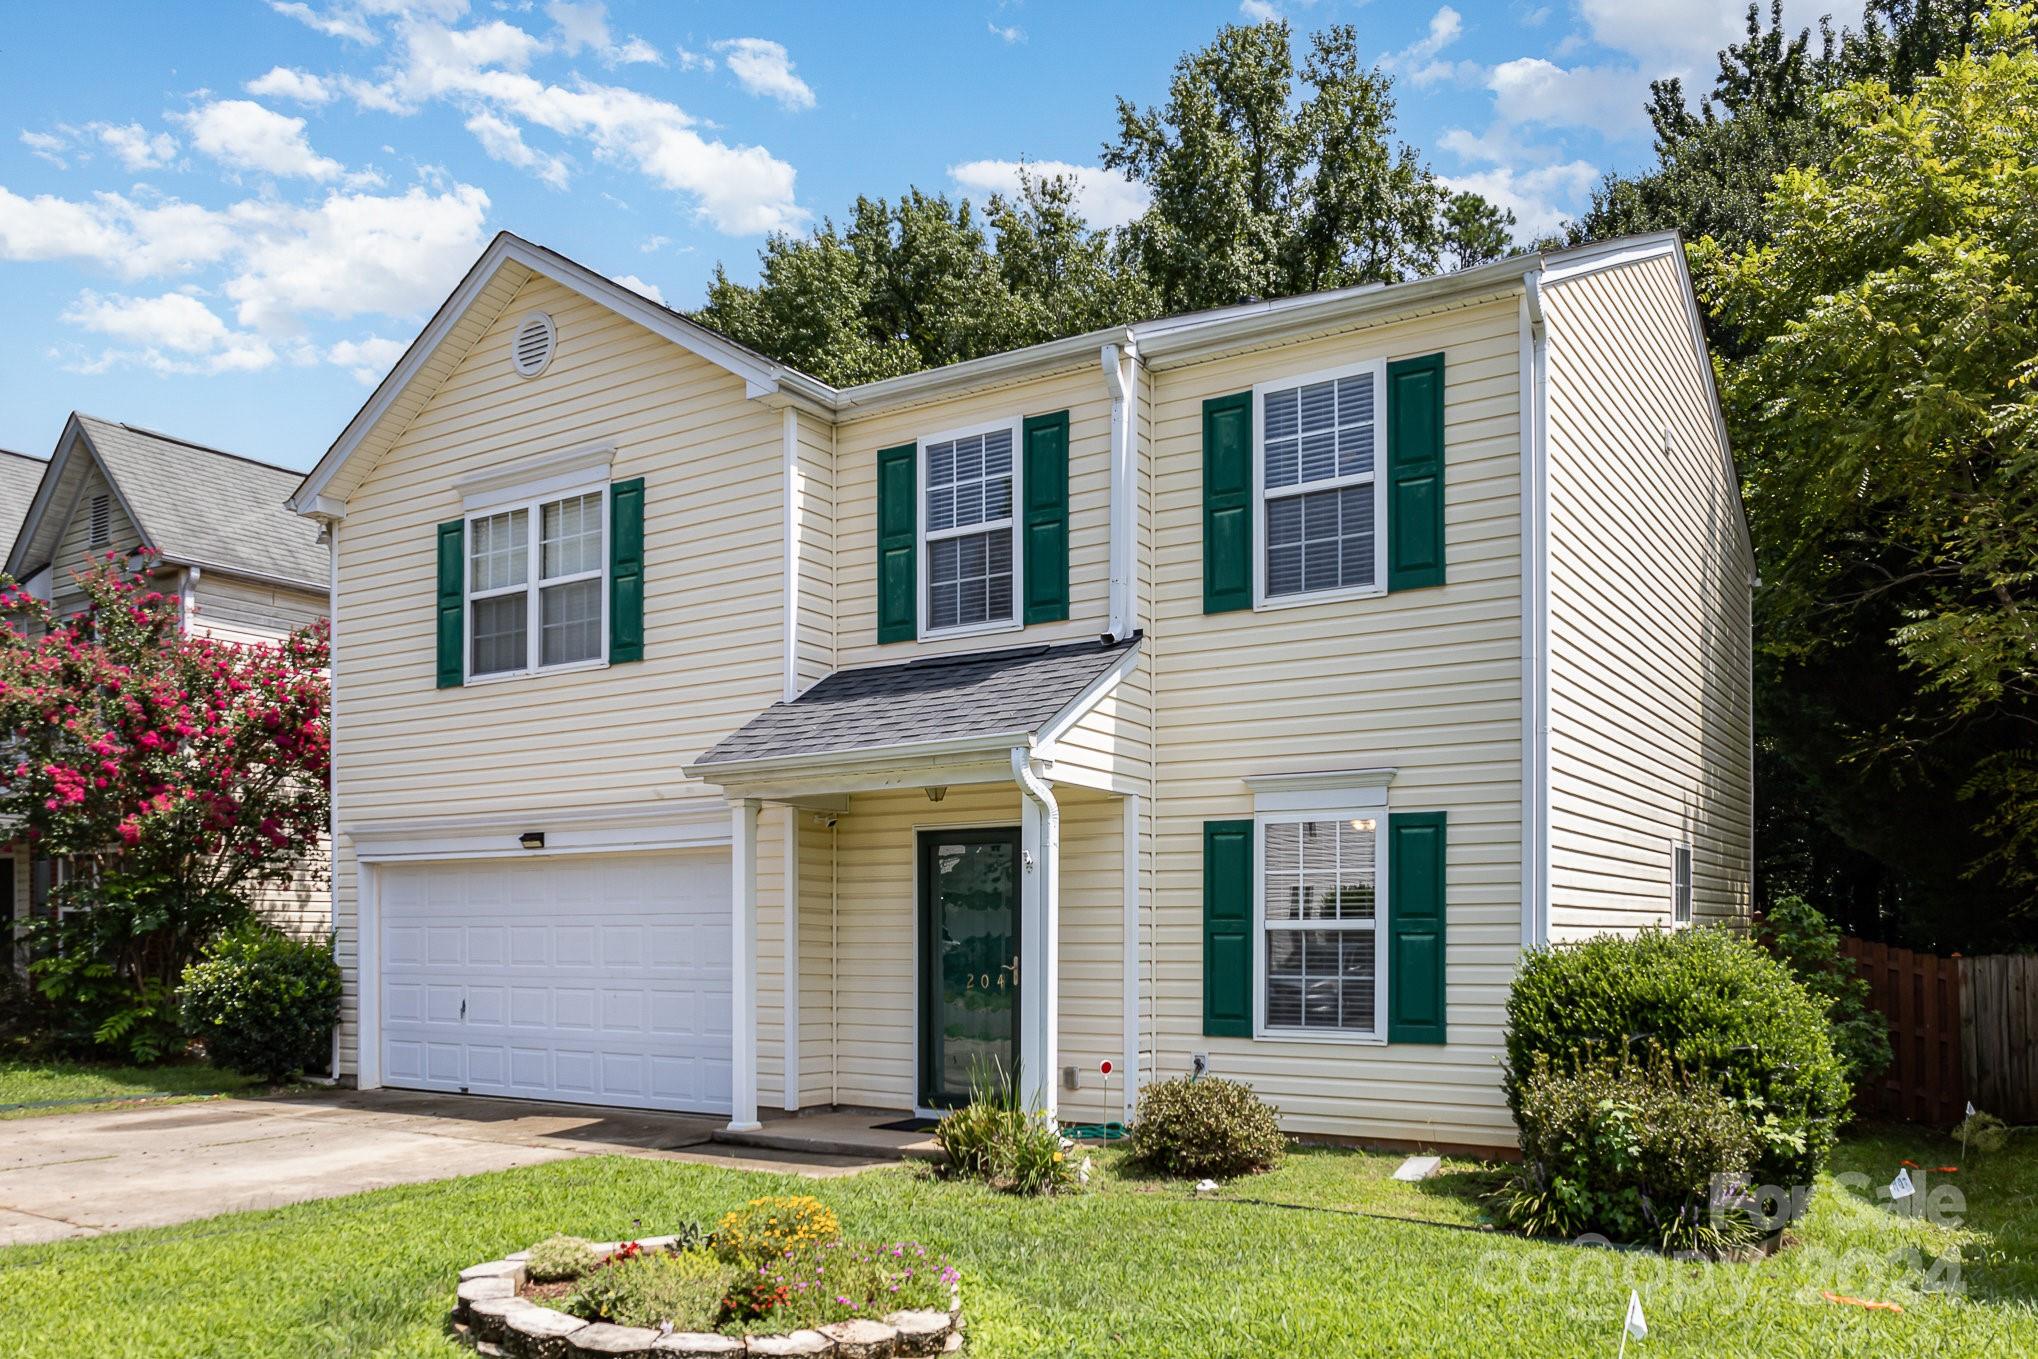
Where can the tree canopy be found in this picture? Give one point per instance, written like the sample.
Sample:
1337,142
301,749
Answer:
1265,178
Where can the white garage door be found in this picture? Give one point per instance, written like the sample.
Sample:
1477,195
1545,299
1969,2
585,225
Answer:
596,980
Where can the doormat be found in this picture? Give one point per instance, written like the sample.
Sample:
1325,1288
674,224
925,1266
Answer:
907,1125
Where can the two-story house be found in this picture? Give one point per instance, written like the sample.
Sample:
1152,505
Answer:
1242,691
243,567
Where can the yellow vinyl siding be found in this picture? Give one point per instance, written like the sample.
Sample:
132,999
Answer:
1649,697
1427,682
814,542
1112,744
713,619
1083,396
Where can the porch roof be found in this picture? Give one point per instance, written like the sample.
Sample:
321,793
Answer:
1018,692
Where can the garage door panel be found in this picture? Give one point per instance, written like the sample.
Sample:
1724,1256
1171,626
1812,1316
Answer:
600,979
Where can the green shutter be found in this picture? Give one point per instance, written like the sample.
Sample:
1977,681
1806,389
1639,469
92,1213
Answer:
1228,929
1415,927
898,526
1045,475
1228,503
626,570
1415,472
452,604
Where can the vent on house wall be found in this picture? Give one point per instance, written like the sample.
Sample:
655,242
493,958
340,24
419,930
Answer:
102,520
532,348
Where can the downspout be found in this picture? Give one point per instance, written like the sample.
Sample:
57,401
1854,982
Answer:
1115,360
332,527
1535,615
1044,868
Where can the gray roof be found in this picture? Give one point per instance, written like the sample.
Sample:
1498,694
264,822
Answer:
204,507
936,698
20,474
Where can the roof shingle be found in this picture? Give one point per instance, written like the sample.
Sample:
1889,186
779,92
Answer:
937,698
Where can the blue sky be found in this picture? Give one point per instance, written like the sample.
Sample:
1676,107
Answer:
226,219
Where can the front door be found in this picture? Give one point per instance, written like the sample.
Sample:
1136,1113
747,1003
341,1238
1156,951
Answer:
969,962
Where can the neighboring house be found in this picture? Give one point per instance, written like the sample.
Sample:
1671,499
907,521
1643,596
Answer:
1246,689
20,474
245,568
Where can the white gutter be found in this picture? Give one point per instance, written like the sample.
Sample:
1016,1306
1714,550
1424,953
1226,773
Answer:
1039,933
1120,364
1535,615
790,426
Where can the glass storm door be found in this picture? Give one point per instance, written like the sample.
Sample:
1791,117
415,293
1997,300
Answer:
969,962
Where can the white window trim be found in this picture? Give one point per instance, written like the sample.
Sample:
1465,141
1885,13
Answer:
534,543
1297,802
1261,600
1690,885
922,535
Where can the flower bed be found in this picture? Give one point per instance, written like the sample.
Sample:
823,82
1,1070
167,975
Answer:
775,1278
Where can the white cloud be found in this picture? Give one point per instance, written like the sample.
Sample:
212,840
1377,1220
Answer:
366,359
651,245
136,147
1609,99
1540,198
337,23
504,141
638,285
586,26
763,68
694,61
634,51
1421,59
1106,199
132,239
49,146
1008,33
176,333
282,82
244,135
1257,11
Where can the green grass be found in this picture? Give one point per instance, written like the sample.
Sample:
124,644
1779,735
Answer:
1133,1267
84,1085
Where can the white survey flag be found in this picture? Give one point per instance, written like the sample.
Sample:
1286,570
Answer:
1638,1325
1901,1187
1970,1108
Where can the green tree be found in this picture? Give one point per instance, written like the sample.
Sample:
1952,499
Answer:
1887,417
1475,231
1261,189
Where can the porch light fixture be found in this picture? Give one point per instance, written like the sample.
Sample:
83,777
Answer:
936,794
532,839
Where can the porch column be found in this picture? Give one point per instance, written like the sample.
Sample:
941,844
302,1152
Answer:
1039,931
743,965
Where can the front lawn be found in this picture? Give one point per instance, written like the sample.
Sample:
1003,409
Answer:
65,1087
1326,1256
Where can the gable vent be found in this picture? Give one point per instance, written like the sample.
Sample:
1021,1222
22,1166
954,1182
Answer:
532,348
102,520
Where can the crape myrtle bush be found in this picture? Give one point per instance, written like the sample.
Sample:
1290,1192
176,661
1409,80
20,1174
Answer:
1207,1126
1715,1004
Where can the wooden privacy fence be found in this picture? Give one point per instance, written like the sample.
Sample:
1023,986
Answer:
1999,1032
1960,1029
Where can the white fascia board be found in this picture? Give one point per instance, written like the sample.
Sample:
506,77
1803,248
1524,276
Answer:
1072,354
761,376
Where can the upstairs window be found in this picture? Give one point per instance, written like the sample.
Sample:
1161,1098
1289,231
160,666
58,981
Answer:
1322,499
537,585
970,545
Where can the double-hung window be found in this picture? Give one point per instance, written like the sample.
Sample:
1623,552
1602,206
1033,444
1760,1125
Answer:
537,585
1322,887
969,573
1321,498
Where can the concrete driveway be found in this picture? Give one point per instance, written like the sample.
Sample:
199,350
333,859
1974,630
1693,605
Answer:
73,1175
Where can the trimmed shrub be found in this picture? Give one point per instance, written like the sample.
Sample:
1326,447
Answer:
1210,1127
1634,1152
558,1259
264,1004
1716,1004
994,1139
1809,945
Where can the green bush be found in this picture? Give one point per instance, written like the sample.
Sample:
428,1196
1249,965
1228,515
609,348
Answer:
1809,945
558,1259
1633,1151
1716,1004
264,1004
1211,1127
995,1140
681,1288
